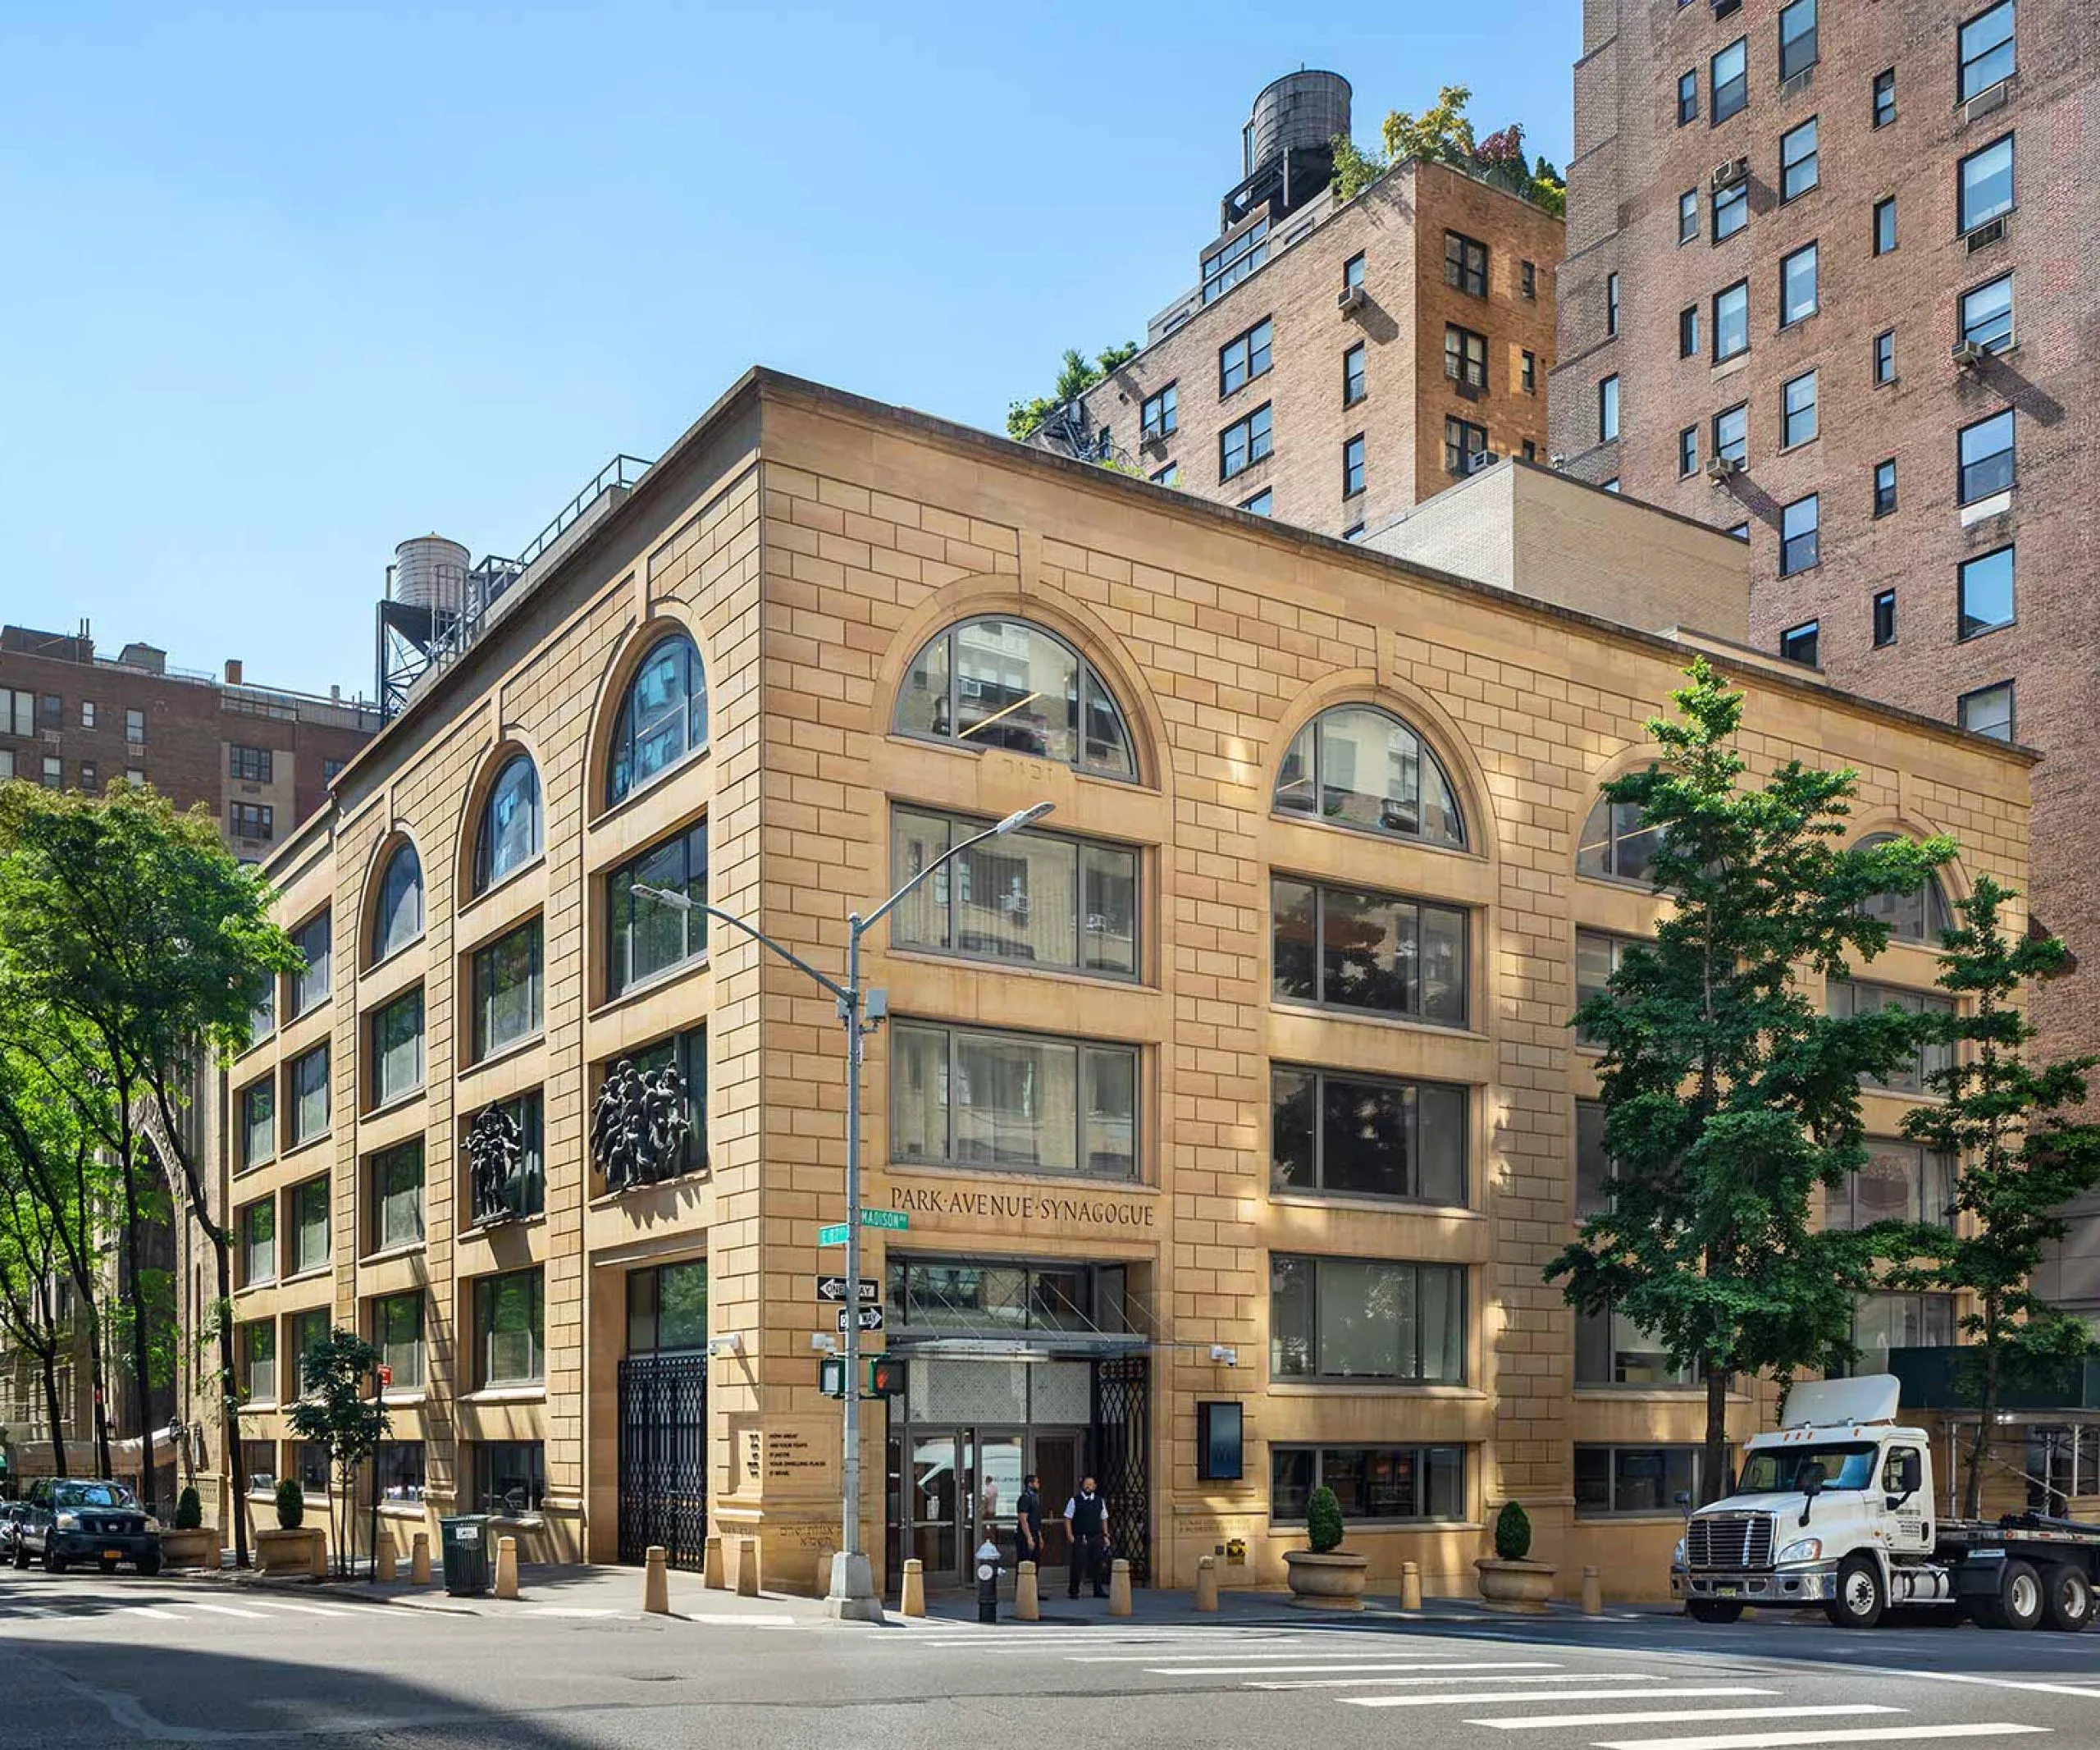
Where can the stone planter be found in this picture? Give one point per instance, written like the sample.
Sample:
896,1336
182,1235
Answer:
1515,1585
1326,1579
279,1552
190,1549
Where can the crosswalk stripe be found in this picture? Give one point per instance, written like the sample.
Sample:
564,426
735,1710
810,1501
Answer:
1315,1670
304,1610
1870,1735
1678,1716
2081,1686
1253,1661
1381,1683
1649,1693
226,1609
148,1610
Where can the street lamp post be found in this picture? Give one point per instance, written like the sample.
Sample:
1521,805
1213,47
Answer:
852,1592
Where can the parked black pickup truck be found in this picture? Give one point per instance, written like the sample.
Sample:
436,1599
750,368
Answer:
66,1519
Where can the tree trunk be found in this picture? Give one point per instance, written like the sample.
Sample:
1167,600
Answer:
1714,1466
1987,1416
142,1379
107,1465
237,1465
50,1407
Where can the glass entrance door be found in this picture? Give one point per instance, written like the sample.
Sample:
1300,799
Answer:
1057,1462
1000,1466
936,1505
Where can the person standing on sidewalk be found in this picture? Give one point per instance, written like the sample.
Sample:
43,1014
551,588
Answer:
1086,1518
1027,1521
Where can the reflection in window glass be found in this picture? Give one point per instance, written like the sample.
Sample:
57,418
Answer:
663,718
509,836
1366,1318
1366,1136
1356,765
1004,684
971,1098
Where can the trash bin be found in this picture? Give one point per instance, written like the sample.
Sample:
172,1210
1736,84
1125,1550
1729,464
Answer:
466,1554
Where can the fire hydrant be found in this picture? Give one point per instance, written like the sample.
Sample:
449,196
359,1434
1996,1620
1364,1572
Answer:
987,1581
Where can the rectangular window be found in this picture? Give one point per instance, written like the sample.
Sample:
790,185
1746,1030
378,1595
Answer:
509,1327
1347,947
88,776
1687,96
310,983
1226,266
1365,1136
1528,279
17,712
134,727
1986,711
1688,216
1687,452
259,1122
1797,410
1160,415
1885,356
258,1458
1729,76
397,1049
1611,1350
1800,524
1799,170
1465,357
1799,644
645,936
397,1195
1241,360
1170,475
251,820
1353,272
522,1190
1986,592
507,990
1688,331
1797,48
1531,454
1732,320
1527,373
1902,1181
1352,378
1608,409
1462,442
1732,433
667,1309
54,773
1986,51
258,1242
1985,185
1985,449
397,1333
1611,303
1850,997
1885,97
1016,1101
249,764
258,1362
308,1331
398,1465
510,1477
310,1225
1597,957
1627,1482
309,1095
1883,1321
1884,618
1987,315
972,1295
87,714
1261,504
1731,210
687,1053
1370,1483
1465,263
1352,466
1354,531
1884,493
1884,225
310,1465
1243,443
1366,1318
1798,286
1029,898
135,776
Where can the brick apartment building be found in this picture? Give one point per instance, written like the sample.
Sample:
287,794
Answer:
1338,361
1830,283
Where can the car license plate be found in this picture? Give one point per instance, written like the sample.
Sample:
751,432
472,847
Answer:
1727,1591
112,1554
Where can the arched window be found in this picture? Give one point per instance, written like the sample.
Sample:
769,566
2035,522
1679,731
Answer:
1616,846
1359,766
510,824
663,718
398,919
1004,684
1919,916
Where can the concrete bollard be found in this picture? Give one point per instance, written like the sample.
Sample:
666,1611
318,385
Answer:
746,1567
711,1575
419,1558
1206,1582
913,1601
655,1583
1028,1600
824,1573
506,1567
383,1566
1119,1588
1593,1593
1410,1586
318,1553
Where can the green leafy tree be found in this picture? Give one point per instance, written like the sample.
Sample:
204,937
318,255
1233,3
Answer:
1355,169
1076,375
334,1412
2024,1151
1729,1097
1443,135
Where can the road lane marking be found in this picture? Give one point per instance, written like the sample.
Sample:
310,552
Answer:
564,1610
1359,1669
1702,1691
2073,1687
1908,1734
226,1609
1382,1683
1393,1660
158,1615
305,1609
1539,1722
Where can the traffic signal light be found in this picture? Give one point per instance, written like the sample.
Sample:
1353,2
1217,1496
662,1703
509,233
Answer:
887,1376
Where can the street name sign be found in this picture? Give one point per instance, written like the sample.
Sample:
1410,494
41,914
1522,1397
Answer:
894,1220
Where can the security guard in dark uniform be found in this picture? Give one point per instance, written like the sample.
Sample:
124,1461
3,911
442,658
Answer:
1086,1518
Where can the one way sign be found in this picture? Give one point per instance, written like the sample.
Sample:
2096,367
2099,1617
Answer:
832,1288
870,1317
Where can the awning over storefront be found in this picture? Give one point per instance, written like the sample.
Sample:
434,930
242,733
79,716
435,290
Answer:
1036,1346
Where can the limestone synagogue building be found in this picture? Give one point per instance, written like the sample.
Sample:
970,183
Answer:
1231,1111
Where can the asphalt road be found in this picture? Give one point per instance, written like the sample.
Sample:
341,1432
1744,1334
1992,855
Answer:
87,1661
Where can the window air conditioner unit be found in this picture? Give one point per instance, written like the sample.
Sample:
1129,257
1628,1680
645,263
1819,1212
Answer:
1481,460
1968,354
1798,83
1728,174
1985,235
1720,467
1351,299
1990,98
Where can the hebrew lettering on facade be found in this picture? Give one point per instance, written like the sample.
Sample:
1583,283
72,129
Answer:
638,1127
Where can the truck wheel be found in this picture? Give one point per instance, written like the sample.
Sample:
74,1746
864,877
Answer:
54,1562
2021,1595
2067,1599
1862,1594
1712,1609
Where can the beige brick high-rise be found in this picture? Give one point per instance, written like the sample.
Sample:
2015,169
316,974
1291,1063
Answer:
813,546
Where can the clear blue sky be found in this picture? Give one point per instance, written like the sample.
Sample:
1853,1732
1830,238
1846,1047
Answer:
284,284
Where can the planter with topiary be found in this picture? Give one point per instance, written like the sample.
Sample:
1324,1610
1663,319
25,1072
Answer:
291,1547
1508,1579
1324,1576
187,1543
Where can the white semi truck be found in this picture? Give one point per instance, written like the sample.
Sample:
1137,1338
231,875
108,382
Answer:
1835,1510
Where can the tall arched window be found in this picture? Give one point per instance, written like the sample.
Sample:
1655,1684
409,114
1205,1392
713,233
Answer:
663,718
510,824
1616,846
1919,916
1359,766
398,918
1006,683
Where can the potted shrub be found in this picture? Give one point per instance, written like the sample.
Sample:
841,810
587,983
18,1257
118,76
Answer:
187,1544
1509,1577
289,1547
1324,1575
